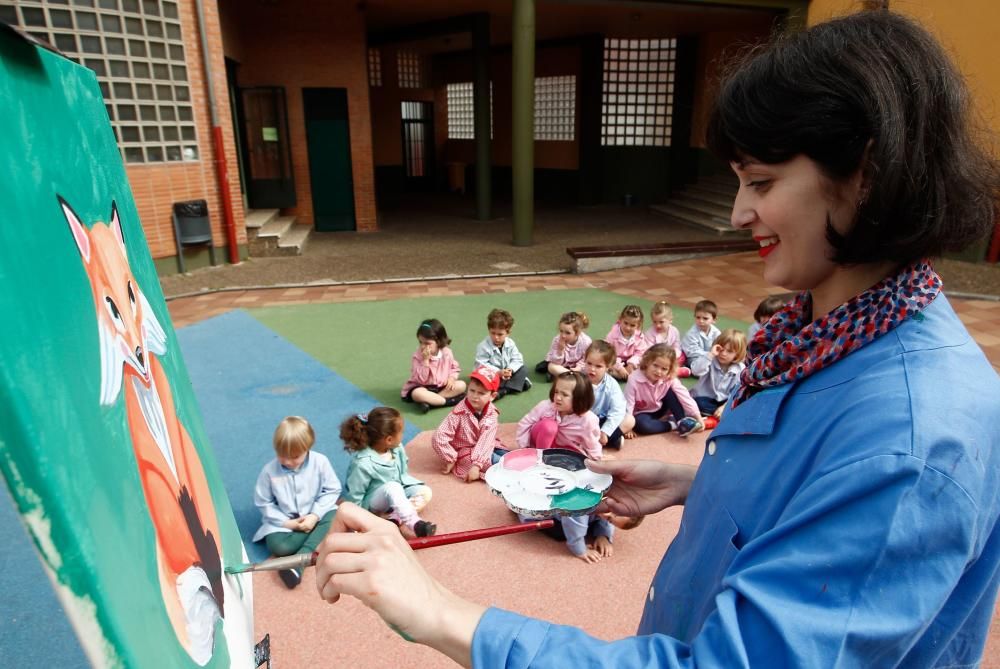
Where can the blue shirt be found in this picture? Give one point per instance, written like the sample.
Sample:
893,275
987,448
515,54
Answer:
505,357
609,404
282,493
846,520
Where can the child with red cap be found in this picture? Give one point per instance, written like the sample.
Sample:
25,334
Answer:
467,436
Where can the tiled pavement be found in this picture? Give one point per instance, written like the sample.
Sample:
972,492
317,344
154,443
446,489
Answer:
733,282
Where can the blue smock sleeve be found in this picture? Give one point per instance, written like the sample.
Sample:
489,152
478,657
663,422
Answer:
329,489
616,409
862,557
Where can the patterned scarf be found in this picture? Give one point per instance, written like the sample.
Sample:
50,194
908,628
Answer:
789,348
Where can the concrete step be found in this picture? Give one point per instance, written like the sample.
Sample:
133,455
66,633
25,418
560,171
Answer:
294,240
265,243
257,219
722,188
699,204
693,217
712,196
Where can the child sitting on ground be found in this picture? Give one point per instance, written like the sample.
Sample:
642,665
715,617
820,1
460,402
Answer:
499,351
609,400
657,398
377,478
629,342
296,493
568,347
467,436
590,537
434,372
698,340
663,331
720,373
564,420
768,307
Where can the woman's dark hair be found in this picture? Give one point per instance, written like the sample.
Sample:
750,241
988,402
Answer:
583,391
361,431
873,79
432,328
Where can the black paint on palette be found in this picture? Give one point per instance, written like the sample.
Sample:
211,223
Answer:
564,459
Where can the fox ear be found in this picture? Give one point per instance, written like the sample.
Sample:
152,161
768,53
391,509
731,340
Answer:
76,227
115,224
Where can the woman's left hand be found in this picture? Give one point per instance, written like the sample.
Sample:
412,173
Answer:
365,556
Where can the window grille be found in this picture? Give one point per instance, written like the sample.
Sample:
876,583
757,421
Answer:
638,95
136,49
410,69
555,108
461,119
374,67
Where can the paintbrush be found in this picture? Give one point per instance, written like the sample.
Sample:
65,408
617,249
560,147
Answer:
309,559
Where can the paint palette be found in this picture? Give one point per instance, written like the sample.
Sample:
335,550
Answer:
546,483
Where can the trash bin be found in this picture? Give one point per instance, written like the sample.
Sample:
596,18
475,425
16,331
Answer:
192,226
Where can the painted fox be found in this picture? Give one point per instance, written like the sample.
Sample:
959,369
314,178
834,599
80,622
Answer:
173,481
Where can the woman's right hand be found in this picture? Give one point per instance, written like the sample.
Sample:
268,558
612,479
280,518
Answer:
642,487
366,557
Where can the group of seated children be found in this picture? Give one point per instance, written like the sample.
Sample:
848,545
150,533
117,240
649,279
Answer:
586,411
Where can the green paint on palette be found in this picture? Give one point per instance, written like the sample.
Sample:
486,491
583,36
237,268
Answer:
576,499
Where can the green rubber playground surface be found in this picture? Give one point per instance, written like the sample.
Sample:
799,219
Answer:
370,343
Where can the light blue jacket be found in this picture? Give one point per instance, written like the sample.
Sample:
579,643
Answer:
609,403
368,472
280,492
506,357
846,520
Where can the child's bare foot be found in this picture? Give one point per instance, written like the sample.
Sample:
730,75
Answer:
603,547
473,475
630,434
448,467
590,557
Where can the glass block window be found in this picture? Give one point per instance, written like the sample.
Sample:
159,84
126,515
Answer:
374,67
555,108
461,121
411,74
136,50
637,103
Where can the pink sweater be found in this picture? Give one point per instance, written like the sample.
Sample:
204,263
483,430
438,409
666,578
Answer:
433,372
572,356
580,433
466,440
628,350
644,396
672,338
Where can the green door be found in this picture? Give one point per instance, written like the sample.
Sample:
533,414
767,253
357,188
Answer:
328,140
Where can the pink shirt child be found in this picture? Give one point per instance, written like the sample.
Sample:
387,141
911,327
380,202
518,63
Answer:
573,355
644,396
435,372
580,433
628,350
672,338
466,440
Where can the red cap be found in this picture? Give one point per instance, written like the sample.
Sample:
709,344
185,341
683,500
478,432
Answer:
487,376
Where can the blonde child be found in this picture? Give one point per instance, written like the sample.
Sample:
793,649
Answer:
720,372
663,331
568,347
500,352
564,420
629,342
434,372
698,340
768,307
657,399
466,438
609,400
296,493
377,478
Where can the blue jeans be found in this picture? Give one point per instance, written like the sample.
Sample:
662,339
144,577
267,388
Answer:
708,405
650,423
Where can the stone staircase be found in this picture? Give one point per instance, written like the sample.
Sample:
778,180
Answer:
270,234
705,205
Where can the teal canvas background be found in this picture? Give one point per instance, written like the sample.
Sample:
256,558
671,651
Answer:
68,461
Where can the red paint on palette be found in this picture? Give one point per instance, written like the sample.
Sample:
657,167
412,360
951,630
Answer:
520,459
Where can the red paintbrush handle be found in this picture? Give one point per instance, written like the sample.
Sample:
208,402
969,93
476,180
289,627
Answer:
471,535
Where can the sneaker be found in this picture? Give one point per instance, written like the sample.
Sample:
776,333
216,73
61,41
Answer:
542,367
501,393
527,385
423,407
290,577
689,425
711,422
422,528
683,372
453,401
548,377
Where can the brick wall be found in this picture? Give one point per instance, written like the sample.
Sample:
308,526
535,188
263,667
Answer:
303,45
157,186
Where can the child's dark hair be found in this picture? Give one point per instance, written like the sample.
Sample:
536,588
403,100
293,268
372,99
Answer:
871,91
579,320
583,391
603,349
769,306
632,311
433,329
658,351
707,306
363,430
499,319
